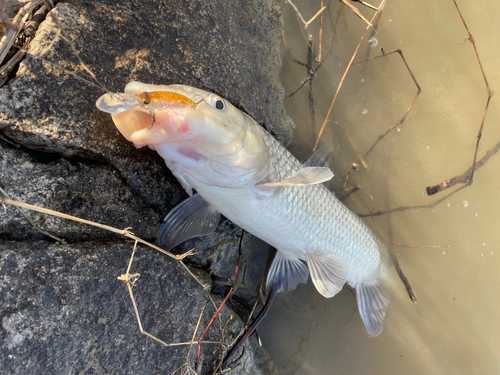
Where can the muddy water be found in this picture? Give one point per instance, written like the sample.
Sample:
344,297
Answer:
453,329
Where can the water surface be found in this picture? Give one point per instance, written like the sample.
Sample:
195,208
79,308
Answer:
453,329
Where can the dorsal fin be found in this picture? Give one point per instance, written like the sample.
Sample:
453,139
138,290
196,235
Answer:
320,157
304,176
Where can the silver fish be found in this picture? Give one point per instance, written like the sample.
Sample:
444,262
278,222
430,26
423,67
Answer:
238,169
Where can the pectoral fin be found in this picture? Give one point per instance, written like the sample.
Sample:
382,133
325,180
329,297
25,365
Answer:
286,273
372,304
328,274
192,218
304,176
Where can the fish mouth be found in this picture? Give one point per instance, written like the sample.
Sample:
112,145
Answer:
143,127
140,124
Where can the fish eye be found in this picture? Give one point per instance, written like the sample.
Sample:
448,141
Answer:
219,104
146,102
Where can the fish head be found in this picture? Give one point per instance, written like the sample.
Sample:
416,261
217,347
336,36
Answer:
199,134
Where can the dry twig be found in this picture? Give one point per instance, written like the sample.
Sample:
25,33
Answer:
299,15
361,159
130,281
318,59
381,6
366,4
463,178
30,221
124,232
15,26
63,35
356,12
200,340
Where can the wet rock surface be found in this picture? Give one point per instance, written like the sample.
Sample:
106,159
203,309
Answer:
63,309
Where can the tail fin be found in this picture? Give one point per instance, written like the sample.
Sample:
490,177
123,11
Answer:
372,304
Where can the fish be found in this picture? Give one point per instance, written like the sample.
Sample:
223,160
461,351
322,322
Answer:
240,171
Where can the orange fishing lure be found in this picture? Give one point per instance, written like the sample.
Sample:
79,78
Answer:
159,99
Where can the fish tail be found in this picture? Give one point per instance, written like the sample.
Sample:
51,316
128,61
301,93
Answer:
373,301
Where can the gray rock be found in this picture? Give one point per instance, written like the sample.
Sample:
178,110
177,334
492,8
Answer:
74,316
81,188
65,312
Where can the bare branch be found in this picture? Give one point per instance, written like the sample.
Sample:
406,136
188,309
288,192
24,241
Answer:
475,165
419,90
381,6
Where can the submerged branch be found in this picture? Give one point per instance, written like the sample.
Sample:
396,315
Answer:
395,261
253,327
475,164
464,177
419,90
356,12
299,15
407,208
402,276
381,6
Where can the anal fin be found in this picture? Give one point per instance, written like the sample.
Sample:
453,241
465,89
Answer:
328,274
286,273
193,217
372,304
